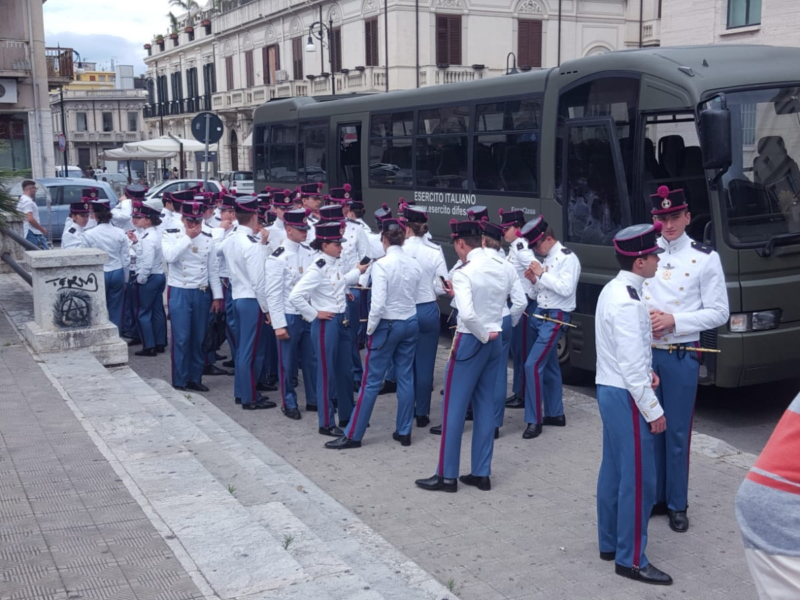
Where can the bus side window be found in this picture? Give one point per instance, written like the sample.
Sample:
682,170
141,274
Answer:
390,149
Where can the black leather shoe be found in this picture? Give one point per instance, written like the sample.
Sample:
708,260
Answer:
405,440
196,387
470,415
229,364
146,352
218,356
388,387
555,421
436,430
272,380
423,421
180,388
515,402
342,443
237,400
438,484
266,387
259,405
291,413
135,342
532,431
496,432
213,370
331,431
482,483
648,574
608,555
678,521
161,349
659,508
311,407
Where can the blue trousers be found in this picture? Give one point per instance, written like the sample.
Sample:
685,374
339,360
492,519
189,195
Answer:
470,377
354,316
332,339
249,320
37,239
521,344
188,315
230,316
502,372
425,357
679,374
130,320
297,349
626,485
395,342
267,355
544,375
152,322
115,296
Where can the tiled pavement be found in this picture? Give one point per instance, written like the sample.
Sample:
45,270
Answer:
69,529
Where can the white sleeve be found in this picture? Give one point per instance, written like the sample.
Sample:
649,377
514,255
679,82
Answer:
440,271
635,363
519,301
254,264
380,294
715,311
274,280
144,260
213,273
362,244
462,286
565,281
302,289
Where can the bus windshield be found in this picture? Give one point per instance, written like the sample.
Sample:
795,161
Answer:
762,199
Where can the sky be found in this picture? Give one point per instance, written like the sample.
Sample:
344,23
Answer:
101,30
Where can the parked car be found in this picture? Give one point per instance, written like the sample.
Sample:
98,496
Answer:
72,171
239,182
60,192
153,197
118,181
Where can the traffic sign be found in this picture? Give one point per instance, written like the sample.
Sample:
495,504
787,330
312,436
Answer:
62,142
214,128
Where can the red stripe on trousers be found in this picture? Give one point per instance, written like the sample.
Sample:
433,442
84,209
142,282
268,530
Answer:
253,391
446,403
280,365
536,380
324,371
354,419
637,451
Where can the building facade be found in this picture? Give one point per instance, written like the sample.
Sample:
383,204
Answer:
27,70
96,120
235,57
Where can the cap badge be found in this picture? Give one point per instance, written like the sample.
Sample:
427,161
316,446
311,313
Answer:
665,203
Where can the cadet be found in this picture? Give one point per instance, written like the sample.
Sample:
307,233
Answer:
320,296
686,297
115,243
79,212
281,202
629,409
556,279
520,257
150,281
244,256
135,195
492,245
170,215
434,269
193,269
392,332
480,287
284,267
221,233
309,195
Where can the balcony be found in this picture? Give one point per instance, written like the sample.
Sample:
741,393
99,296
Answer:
14,61
186,106
651,33
101,137
60,66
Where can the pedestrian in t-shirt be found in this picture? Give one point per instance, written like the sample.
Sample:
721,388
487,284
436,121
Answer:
32,230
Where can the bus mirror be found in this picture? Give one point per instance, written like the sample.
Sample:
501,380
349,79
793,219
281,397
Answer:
715,137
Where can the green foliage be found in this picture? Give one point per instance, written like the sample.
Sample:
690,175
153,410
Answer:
8,203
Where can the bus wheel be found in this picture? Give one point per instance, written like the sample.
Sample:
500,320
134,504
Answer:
562,348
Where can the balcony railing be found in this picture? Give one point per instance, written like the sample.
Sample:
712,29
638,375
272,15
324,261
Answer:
14,57
60,66
177,107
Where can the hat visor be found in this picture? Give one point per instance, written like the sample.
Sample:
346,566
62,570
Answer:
298,226
658,251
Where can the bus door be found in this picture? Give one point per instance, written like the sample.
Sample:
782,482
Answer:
349,157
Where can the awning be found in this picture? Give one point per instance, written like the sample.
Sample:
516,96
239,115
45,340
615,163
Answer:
168,144
121,154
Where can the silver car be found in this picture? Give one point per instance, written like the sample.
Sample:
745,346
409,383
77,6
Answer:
153,197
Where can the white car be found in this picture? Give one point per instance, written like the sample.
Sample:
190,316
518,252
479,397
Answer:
239,182
153,197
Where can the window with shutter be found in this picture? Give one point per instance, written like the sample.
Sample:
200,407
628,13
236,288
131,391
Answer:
529,43
448,40
297,58
271,62
371,42
229,72
337,50
248,69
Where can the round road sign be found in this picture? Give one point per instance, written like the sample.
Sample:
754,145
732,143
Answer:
214,127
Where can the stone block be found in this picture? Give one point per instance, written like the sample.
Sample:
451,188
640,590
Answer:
17,252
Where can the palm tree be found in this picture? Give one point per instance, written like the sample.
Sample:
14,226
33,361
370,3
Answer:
186,5
173,22
8,204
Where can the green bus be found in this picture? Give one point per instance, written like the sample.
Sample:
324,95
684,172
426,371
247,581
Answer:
585,145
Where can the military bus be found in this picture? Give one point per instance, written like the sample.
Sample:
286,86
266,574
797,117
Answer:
585,145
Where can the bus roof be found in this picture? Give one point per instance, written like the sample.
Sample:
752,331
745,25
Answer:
701,70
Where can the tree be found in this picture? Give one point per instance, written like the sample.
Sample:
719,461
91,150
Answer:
8,204
173,23
186,5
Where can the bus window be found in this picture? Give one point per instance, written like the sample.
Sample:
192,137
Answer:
350,157
282,159
672,157
441,148
390,149
311,152
260,141
594,211
506,159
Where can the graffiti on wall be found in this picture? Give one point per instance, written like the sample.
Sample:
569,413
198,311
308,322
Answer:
72,306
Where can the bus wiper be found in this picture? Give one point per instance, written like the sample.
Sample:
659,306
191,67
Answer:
770,245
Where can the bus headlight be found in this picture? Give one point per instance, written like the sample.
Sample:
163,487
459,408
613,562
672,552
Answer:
761,320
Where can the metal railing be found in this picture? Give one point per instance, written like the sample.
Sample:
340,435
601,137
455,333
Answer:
9,260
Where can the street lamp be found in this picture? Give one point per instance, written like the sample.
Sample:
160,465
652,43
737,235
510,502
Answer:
78,71
310,47
513,69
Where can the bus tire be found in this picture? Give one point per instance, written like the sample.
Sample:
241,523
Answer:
569,373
